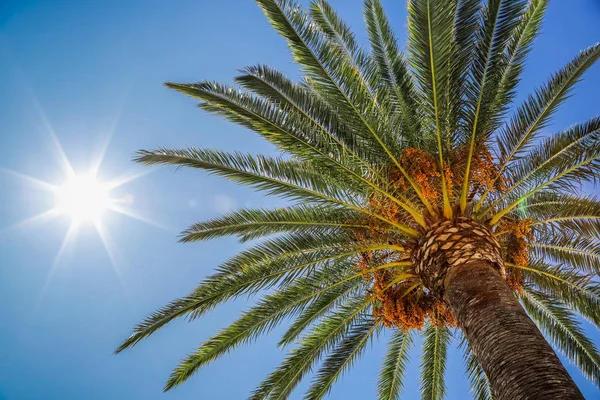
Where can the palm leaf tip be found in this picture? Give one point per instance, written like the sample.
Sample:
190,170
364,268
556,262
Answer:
156,320
145,157
127,343
173,381
137,336
175,86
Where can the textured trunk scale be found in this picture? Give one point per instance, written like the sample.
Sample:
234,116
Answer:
461,262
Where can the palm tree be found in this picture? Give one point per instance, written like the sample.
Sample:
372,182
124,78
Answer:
417,204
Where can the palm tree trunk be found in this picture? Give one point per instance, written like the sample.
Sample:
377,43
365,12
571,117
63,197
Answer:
516,358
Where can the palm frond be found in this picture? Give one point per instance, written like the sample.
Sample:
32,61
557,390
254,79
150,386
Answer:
258,320
580,253
585,225
273,85
340,33
289,179
342,357
535,113
577,291
561,326
392,371
517,50
480,385
266,315
433,362
277,261
319,307
574,169
551,205
466,27
552,157
312,346
331,75
430,44
284,129
500,19
251,224
393,70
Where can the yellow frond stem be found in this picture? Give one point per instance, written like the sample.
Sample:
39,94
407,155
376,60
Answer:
400,278
447,206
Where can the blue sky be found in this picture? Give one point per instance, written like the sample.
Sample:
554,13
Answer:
93,70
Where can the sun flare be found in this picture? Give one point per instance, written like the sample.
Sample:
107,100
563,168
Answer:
83,198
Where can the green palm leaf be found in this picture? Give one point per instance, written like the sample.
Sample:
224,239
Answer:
576,168
330,73
251,224
562,328
276,261
321,306
552,157
340,33
466,27
517,50
393,70
499,21
535,113
394,366
430,45
577,291
341,358
273,85
433,362
259,320
480,385
287,178
284,129
579,252
300,360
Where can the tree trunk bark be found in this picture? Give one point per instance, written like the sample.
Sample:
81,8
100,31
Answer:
516,358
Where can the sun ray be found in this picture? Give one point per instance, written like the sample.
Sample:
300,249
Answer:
58,148
39,109
36,219
62,158
109,247
99,158
69,237
31,180
125,178
111,251
71,193
132,214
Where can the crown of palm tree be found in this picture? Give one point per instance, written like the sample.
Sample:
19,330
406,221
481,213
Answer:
383,147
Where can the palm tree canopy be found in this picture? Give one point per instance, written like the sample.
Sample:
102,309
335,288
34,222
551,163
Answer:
379,146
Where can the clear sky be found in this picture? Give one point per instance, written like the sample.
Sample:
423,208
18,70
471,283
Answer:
88,71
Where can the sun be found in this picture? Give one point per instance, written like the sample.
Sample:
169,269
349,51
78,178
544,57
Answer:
83,198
